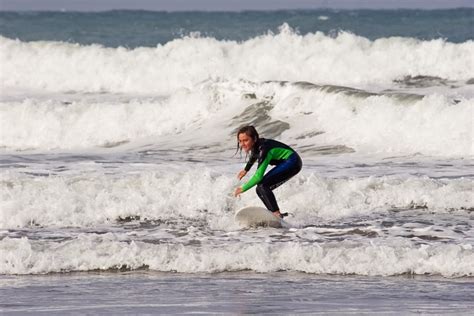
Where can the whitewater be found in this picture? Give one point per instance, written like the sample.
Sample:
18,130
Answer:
123,159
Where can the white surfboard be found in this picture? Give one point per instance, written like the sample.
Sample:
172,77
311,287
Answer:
254,216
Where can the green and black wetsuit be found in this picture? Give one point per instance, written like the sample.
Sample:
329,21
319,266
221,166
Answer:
287,164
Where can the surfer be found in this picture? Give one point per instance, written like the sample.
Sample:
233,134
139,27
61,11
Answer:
267,152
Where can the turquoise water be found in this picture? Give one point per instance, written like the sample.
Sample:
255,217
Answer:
145,28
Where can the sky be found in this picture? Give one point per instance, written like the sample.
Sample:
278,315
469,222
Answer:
224,5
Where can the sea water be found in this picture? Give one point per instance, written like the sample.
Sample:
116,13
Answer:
118,161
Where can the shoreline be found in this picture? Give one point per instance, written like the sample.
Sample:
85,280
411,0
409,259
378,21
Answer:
145,292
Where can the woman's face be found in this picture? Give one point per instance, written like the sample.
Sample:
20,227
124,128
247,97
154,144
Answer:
246,142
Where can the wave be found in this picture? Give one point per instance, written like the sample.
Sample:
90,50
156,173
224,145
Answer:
311,117
99,198
105,252
345,59
50,124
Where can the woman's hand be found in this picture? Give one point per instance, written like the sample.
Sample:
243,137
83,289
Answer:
241,174
238,191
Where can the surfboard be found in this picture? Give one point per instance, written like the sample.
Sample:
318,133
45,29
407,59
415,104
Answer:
254,216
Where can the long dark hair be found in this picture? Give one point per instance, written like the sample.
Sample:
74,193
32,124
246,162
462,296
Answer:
251,132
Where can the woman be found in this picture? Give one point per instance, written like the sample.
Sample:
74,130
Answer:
267,151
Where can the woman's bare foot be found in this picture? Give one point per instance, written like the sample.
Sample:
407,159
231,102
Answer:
277,214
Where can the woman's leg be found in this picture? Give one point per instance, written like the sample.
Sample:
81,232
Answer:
268,198
276,177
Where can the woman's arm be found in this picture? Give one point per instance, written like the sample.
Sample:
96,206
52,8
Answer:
252,159
258,176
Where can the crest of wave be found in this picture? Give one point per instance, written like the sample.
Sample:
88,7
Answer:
342,59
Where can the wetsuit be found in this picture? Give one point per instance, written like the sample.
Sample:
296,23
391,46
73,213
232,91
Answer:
287,163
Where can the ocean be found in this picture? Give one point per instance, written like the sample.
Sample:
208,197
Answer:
118,161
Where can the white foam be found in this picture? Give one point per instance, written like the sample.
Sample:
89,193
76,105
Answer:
433,125
196,193
103,252
36,123
371,124
346,59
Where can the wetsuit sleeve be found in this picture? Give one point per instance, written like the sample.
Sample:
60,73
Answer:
253,158
258,176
